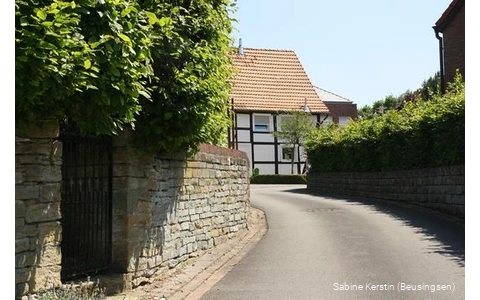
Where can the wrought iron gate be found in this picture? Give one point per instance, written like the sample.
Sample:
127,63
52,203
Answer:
86,204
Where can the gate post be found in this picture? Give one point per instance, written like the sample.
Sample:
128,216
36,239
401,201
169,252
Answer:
38,162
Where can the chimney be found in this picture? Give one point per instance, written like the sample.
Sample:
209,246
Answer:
240,47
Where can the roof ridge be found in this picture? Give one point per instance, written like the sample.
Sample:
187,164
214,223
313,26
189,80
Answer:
266,49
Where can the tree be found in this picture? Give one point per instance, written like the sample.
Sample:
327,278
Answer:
86,61
190,90
429,89
159,67
380,107
294,128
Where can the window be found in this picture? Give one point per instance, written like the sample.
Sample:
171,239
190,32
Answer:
287,153
262,122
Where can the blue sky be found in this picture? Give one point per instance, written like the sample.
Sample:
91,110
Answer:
362,50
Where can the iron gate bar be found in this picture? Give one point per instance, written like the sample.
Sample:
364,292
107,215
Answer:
86,205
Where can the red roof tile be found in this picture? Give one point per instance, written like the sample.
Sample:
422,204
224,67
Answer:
272,80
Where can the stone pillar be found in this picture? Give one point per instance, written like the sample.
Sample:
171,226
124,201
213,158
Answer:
132,210
38,175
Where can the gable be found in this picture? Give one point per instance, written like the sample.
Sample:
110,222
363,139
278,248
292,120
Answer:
272,80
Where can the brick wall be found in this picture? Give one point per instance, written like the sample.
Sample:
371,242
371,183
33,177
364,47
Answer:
454,46
338,109
37,208
441,189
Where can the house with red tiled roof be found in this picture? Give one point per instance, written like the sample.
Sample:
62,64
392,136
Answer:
450,32
267,86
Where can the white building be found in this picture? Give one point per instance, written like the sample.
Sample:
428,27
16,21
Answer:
268,85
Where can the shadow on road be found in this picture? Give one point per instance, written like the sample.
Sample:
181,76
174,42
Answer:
447,235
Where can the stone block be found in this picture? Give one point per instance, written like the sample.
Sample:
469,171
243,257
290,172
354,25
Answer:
50,233
22,275
25,259
188,173
185,225
42,212
20,209
50,192
51,255
182,251
22,230
183,219
172,263
203,245
46,278
27,191
22,244
22,289
42,173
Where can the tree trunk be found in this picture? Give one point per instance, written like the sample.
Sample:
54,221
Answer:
293,157
299,171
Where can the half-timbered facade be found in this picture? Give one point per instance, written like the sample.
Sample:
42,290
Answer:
269,85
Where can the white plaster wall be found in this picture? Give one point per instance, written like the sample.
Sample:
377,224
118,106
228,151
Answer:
266,169
284,169
264,152
243,135
342,121
248,149
243,120
329,119
263,137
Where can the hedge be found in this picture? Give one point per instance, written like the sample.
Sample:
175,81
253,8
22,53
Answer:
278,179
423,134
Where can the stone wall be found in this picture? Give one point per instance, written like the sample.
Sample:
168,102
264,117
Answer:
166,209
441,189
37,208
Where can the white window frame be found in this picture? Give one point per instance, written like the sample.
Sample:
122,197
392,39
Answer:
269,124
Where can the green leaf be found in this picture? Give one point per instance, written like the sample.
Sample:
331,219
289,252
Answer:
87,64
125,38
164,21
145,94
41,15
114,71
126,11
152,18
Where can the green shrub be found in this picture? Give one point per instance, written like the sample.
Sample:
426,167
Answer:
278,179
423,134
159,67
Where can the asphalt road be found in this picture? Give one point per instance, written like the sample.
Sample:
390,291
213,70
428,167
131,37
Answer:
325,248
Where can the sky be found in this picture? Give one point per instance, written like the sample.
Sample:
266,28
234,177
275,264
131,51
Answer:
361,50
